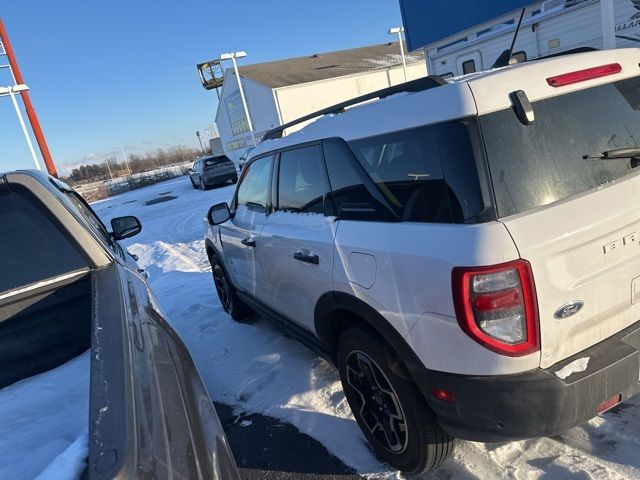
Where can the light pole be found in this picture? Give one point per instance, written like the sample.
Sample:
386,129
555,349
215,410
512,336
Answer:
399,30
232,57
11,92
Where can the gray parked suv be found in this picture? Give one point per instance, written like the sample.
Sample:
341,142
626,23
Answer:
210,171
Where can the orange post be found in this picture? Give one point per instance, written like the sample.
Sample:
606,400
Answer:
31,113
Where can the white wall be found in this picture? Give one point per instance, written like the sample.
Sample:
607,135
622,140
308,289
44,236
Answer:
296,101
261,107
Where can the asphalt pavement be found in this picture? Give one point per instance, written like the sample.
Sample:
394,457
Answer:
267,449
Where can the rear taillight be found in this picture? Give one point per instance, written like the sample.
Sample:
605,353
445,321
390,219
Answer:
584,75
497,306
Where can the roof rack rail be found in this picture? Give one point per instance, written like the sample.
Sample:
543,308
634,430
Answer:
418,85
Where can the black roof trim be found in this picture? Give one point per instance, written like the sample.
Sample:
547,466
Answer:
424,83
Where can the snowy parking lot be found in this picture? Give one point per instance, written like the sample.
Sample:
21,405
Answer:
253,368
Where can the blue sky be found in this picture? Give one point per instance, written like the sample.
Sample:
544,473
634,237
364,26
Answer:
123,72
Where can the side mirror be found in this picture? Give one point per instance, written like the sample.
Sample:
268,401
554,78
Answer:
125,227
218,214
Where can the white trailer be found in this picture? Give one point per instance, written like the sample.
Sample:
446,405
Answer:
548,28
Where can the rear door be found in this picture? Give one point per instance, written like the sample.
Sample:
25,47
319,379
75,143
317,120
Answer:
239,235
297,253
575,219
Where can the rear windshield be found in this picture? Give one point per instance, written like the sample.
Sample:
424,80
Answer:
32,247
215,161
544,162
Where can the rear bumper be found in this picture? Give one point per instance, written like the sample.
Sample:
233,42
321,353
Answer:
214,179
537,403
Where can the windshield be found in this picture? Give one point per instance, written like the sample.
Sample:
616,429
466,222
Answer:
544,162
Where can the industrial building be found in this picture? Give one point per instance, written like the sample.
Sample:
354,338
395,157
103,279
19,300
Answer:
284,90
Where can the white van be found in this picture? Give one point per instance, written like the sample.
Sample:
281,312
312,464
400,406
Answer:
467,253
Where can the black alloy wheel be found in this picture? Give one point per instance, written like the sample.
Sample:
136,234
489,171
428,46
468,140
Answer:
229,299
379,406
389,407
222,287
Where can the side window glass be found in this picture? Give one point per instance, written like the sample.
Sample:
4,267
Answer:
460,171
351,197
253,191
301,182
469,67
406,168
91,218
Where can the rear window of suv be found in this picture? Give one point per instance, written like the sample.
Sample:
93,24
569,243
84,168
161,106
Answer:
215,161
536,165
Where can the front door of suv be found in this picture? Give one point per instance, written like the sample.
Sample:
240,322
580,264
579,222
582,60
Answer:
297,258
240,235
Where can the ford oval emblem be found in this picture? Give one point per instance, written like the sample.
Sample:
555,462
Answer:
568,310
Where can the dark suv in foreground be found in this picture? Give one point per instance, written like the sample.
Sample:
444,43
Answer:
68,286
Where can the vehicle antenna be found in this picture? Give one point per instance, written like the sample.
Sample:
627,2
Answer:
505,57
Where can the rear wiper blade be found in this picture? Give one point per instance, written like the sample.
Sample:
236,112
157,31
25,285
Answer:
618,153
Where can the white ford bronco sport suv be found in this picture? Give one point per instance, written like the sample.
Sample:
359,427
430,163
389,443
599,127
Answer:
466,252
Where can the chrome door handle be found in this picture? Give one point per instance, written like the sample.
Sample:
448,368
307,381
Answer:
307,257
248,242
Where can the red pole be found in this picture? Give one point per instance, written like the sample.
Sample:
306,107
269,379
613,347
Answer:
31,113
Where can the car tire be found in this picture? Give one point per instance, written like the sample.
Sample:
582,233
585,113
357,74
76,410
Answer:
193,184
415,443
229,300
203,185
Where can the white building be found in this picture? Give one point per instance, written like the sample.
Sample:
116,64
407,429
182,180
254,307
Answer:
284,90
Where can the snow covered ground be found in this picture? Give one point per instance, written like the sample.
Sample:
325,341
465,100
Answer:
43,424
255,369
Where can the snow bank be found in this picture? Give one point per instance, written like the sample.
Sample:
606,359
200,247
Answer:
43,423
70,463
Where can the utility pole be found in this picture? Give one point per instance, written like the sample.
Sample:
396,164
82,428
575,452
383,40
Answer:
124,158
399,31
106,160
200,140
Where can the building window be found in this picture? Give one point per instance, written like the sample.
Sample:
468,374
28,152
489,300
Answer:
469,67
